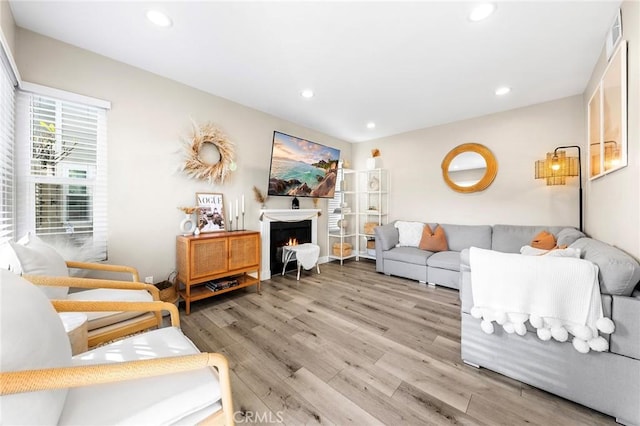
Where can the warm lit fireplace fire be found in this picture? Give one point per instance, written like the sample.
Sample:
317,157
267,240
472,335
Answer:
292,242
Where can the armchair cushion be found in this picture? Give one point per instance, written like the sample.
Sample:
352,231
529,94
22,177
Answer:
35,257
33,337
102,319
156,400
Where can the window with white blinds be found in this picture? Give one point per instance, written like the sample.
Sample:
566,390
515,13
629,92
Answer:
61,162
7,189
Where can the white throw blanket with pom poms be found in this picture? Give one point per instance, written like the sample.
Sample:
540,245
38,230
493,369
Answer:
559,296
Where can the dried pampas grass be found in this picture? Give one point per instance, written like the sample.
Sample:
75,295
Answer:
258,195
188,210
195,167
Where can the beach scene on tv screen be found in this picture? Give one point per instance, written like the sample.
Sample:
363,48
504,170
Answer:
302,168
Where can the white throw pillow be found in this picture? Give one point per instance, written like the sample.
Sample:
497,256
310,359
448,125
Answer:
38,258
32,337
410,233
532,251
566,252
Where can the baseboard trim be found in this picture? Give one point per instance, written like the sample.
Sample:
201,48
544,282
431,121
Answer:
470,364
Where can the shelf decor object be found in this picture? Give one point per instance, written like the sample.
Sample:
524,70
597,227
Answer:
211,215
197,166
188,225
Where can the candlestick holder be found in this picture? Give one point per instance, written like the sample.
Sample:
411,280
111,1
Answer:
237,222
243,228
231,223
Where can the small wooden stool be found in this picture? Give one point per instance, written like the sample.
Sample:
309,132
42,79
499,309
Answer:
306,255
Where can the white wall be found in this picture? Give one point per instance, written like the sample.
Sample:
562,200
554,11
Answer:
150,114
613,201
149,117
517,139
7,24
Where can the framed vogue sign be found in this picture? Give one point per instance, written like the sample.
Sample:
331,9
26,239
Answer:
210,212
607,117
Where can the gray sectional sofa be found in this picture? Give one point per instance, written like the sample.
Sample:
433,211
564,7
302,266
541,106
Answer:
443,268
605,381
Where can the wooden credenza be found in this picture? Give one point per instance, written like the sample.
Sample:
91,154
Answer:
213,256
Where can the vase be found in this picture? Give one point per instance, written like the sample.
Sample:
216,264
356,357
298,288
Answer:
187,226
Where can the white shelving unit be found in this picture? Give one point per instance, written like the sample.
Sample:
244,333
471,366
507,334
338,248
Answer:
343,218
372,208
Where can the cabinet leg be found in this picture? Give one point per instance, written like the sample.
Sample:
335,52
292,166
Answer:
187,306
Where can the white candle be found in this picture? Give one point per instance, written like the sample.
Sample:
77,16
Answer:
236,207
242,203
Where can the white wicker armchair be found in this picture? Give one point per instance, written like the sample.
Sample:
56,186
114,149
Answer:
43,265
107,325
157,377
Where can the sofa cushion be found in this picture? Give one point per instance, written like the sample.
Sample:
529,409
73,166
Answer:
387,236
33,337
408,255
433,240
618,272
510,238
445,260
409,233
460,237
568,236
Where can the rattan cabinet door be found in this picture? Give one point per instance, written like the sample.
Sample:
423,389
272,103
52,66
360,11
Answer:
244,251
208,257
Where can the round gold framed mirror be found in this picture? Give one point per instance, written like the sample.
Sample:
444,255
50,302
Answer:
470,167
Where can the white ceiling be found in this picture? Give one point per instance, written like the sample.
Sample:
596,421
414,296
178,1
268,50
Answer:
402,65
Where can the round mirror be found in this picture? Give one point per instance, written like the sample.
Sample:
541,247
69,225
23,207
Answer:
469,167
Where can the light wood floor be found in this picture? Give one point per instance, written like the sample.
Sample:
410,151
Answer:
351,346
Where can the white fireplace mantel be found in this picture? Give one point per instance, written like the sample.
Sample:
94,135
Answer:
282,215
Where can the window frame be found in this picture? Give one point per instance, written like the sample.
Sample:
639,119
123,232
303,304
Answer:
91,245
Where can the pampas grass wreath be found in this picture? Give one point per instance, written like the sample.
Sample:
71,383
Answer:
195,167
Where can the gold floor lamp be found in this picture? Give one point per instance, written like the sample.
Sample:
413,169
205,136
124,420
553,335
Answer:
557,167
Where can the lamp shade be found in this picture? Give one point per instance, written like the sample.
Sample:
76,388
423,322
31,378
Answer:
563,166
556,168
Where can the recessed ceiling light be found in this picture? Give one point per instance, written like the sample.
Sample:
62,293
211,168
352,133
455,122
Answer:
159,18
371,125
500,91
482,11
307,93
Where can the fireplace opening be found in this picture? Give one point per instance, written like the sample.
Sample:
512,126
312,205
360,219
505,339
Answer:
283,234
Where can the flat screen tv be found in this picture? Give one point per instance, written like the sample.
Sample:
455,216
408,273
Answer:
301,168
